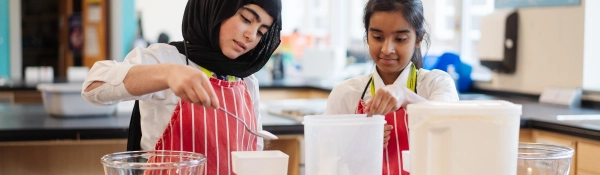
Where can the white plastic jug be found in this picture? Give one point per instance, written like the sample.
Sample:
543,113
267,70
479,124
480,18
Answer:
463,138
343,144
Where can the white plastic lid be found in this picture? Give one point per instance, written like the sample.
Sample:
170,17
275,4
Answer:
343,119
468,107
61,87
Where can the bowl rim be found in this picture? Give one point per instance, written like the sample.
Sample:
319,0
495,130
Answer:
111,160
552,151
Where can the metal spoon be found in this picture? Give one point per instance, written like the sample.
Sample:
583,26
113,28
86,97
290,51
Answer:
262,133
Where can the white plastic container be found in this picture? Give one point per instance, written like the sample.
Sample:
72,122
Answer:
463,138
77,74
323,63
64,100
259,162
343,144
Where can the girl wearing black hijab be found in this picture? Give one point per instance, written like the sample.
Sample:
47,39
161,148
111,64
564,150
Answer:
178,85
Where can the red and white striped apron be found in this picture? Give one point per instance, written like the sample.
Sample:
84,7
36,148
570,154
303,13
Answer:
210,131
392,154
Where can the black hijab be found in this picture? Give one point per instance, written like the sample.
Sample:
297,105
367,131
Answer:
201,26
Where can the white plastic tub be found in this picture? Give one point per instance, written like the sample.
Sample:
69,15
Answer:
259,162
343,144
64,100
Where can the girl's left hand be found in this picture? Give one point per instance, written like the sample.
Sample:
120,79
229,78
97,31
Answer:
387,130
387,99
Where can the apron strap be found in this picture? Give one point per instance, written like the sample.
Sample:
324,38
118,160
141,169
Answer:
135,129
366,87
187,62
206,71
412,79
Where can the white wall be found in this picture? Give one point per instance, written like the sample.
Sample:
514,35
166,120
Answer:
161,16
339,23
356,13
591,50
550,51
116,46
166,16
292,11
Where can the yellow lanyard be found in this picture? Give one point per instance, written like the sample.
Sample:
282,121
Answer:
210,74
206,71
411,84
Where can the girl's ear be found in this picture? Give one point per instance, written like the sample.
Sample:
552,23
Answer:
418,42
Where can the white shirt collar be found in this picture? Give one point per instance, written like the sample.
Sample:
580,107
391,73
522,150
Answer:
401,80
194,65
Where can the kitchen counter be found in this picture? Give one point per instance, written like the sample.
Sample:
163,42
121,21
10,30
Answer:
287,83
17,85
298,83
29,122
580,122
30,139
27,131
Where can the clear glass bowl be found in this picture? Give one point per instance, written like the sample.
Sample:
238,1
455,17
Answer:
153,162
543,159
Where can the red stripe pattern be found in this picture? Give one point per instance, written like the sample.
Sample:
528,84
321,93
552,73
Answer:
212,132
392,154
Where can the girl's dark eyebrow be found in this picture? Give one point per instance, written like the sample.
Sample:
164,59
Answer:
398,32
256,16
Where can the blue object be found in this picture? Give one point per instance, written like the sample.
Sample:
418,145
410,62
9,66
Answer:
4,39
128,24
430,61
535,3
463,70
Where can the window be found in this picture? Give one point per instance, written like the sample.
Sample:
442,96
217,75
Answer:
473,11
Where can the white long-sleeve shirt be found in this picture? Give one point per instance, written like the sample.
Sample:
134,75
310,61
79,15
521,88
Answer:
156,108
435,85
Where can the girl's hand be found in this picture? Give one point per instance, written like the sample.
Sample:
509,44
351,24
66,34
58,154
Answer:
387,130
192,85
387,99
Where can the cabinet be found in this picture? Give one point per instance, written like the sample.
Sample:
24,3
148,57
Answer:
279,94
525,135
50,36
56,157
23,97
6,97
39,34
585,161
588,158
583,172
290,145
95,31
550,138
